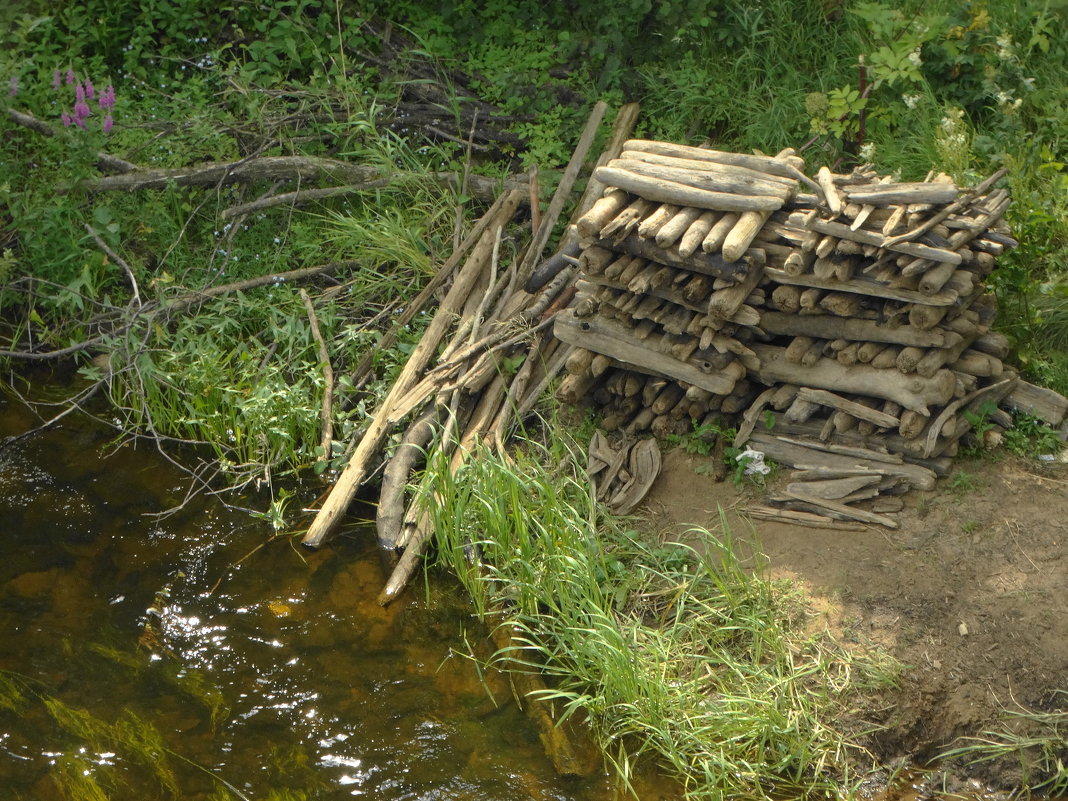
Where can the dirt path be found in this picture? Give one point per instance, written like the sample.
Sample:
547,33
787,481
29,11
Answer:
971,593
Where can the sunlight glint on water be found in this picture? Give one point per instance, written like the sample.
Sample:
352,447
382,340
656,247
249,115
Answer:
288,681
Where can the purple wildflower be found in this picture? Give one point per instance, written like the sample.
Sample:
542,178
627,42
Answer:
70,77
67,119
57,79
80,122
89,91
81,111
79,93
107,97
14,86
107,123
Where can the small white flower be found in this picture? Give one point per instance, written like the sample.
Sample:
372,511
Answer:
867,152
914,57
1004,98
1028,84
1004,47
911,101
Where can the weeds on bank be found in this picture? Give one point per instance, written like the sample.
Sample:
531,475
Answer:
679,654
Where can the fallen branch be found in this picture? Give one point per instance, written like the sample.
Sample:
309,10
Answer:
115,257
291,276
285,168
105,161
300,197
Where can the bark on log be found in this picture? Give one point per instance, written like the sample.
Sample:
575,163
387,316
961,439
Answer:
718,181
912,392
619,342
390,511
664,191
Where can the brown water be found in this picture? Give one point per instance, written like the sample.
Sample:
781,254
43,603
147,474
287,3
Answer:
287,681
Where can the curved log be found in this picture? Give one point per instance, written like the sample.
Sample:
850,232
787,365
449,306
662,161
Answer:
912,392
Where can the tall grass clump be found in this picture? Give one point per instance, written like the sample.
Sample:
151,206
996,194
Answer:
678,655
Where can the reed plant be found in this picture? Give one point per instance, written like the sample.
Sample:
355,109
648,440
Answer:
680,655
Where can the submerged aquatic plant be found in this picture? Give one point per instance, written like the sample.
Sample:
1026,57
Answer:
100,753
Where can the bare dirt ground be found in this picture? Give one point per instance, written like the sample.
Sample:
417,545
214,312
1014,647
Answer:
970,593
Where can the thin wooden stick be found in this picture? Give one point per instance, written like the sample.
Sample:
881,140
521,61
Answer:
360,463
328,376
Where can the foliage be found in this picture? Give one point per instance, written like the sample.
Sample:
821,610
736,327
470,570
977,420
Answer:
678,653
1031,438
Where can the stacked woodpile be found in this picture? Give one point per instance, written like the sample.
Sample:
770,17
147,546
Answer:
846,316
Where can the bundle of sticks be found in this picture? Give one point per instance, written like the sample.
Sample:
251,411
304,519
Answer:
856,303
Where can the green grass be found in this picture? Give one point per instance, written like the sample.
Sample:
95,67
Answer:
679,655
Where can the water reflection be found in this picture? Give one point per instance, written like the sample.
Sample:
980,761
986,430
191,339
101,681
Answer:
126,664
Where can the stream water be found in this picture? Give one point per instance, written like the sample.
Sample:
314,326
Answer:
139,658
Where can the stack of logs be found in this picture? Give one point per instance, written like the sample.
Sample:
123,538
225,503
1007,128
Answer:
846,316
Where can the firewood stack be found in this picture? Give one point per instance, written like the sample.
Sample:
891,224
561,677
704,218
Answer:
846,315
